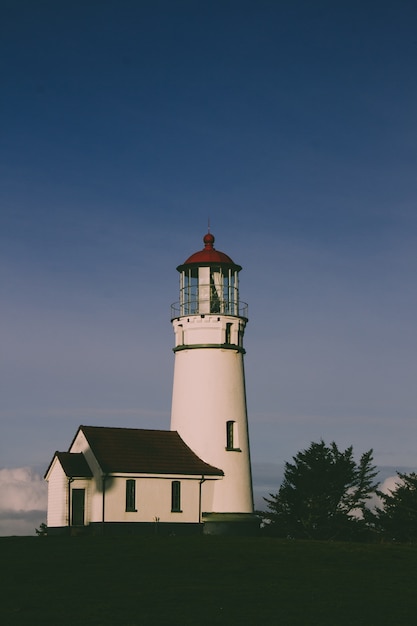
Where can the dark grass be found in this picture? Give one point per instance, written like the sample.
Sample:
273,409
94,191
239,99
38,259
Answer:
145,581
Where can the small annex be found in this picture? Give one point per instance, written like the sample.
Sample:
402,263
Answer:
128,480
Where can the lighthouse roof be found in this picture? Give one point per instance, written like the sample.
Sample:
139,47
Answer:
209,256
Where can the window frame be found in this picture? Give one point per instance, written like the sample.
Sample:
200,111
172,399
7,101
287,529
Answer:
176,496
130,503
228,333
231,436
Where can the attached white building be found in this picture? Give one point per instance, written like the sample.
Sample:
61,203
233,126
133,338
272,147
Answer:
129,480
196,476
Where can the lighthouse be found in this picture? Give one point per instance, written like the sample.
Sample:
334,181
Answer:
196,477
209,399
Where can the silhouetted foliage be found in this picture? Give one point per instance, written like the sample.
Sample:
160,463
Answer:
397,520
42,531
323,495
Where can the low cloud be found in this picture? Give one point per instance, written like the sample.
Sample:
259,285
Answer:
23,501
388,485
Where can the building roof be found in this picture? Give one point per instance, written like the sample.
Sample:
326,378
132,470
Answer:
139,451
209,256
73,464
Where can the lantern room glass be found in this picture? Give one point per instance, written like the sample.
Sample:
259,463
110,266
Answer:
212,289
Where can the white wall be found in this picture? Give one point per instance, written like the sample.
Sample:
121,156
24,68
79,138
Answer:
57,514
153,499
209,391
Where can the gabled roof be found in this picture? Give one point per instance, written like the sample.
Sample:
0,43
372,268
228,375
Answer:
140,451
73,464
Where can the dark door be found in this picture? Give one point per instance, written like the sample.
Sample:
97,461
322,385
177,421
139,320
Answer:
78,505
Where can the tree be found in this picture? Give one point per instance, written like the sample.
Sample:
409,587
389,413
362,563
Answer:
398,518
323,495
42,531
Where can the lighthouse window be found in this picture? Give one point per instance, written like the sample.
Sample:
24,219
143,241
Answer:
230,427
131,495
176,496
232,437
228,333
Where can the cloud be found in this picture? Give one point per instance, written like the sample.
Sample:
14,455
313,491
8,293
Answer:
23,501
388,485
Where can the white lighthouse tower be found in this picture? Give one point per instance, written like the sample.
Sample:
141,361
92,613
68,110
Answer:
209,399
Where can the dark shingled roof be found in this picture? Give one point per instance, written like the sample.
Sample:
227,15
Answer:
74,464
140,451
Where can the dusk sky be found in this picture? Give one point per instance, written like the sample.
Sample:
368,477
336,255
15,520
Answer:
126,126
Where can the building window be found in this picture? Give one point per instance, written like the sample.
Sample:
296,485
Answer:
131,495
176,496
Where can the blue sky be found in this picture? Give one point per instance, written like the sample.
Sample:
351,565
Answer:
292,126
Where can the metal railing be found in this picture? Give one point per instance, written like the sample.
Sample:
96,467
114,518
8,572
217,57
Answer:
207,307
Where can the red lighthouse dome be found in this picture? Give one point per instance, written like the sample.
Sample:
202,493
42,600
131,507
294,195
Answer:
209,256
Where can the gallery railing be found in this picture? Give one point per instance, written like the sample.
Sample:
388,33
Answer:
209,307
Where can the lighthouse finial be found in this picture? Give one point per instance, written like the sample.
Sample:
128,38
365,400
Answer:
208,224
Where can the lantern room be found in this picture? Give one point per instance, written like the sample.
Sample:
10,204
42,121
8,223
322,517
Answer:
209,284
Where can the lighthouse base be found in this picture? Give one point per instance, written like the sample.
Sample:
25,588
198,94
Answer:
237,524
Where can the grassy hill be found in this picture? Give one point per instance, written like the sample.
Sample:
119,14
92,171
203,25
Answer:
129,581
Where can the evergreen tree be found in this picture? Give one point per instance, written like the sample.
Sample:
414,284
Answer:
323,495
397,520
